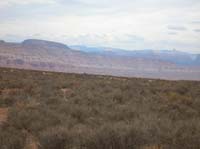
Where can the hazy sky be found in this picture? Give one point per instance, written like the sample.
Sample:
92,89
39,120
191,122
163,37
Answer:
129,24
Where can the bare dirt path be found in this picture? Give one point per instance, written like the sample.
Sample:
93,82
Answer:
3,115
31,142
153,147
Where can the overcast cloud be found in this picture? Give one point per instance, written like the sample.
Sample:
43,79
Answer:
129,24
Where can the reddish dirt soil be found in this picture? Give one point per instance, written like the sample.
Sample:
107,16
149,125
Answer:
66,91
3,115
10,91
31,143
153,147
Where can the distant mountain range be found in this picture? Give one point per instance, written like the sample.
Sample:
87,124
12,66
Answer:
174,56
52,56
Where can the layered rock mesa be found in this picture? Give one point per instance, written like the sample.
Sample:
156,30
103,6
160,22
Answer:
52,56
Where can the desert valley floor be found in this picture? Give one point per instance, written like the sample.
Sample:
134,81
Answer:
46,110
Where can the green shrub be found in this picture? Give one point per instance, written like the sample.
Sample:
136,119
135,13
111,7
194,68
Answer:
55,138
11,138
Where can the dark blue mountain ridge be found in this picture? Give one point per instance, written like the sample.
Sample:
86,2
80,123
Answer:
174,56
43,43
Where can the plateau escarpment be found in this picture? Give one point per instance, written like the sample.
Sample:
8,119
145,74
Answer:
53,56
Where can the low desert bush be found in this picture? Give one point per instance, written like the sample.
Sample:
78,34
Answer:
11,138
102,113
55,138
